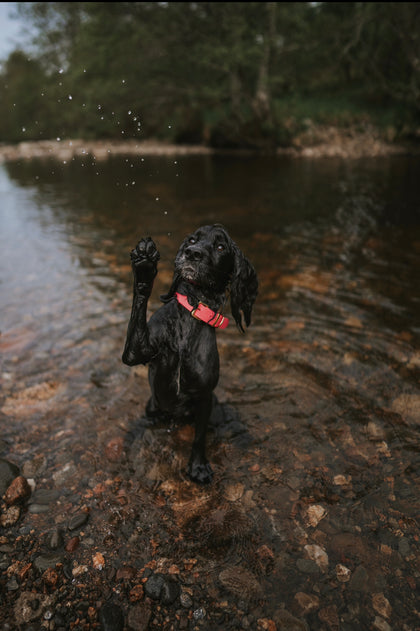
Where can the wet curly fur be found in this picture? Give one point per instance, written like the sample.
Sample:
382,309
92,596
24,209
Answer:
180,350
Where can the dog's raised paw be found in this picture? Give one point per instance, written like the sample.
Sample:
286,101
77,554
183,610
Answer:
144,258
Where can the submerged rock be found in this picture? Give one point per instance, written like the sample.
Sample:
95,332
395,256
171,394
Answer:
111,617
162,588
8,472
241,583
18,491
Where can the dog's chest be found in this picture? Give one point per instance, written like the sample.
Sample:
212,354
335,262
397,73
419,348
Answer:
197,359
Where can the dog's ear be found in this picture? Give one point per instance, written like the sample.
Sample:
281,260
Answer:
243,288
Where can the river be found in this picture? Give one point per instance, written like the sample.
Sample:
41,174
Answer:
311,521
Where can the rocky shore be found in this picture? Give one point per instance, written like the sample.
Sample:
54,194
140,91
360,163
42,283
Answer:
316,142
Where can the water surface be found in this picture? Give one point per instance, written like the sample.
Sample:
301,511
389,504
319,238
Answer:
316,468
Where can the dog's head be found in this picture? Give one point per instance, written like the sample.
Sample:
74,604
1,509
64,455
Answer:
211,260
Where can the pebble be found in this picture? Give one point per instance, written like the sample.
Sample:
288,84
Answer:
306,603
314,514
329,616
136,593
72,544
159,587
317,554
241,583
307,566
8,472
404,547
125,573
186,600
234,491
153,586
56,539
111,617
37,509
199,614
98,561
114,450
50,577
78,520
139,617
44,496
285,621
381,605
18,491
35,467
12,585
379,624
343,573
10,516
45,561
63,475
359,580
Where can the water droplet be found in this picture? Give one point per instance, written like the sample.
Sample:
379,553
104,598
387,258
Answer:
23,128
70,97
60,71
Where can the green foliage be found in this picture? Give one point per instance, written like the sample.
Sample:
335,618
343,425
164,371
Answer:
244,74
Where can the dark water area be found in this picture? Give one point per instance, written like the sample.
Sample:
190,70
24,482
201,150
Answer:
312,519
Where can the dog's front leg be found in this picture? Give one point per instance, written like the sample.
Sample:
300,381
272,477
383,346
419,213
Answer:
199,469
144,258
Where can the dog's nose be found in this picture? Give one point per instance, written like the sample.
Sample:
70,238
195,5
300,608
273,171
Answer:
193,253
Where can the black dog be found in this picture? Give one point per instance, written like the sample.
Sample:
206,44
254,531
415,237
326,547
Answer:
179,341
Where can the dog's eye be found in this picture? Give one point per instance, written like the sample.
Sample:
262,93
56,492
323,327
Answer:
192,240
220,247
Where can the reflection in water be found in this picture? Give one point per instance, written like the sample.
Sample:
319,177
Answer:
314,502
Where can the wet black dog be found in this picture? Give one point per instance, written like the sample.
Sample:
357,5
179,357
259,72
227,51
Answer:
179,341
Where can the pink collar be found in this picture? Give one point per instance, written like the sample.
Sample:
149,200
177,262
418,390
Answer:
204,313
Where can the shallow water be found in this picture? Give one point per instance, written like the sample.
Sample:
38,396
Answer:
317,459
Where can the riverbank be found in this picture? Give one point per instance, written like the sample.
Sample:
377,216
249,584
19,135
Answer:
316,142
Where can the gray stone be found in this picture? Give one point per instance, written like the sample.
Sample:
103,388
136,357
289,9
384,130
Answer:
44,496
139,617
359,580
8,472
111,617
78,520
307,566
45,561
